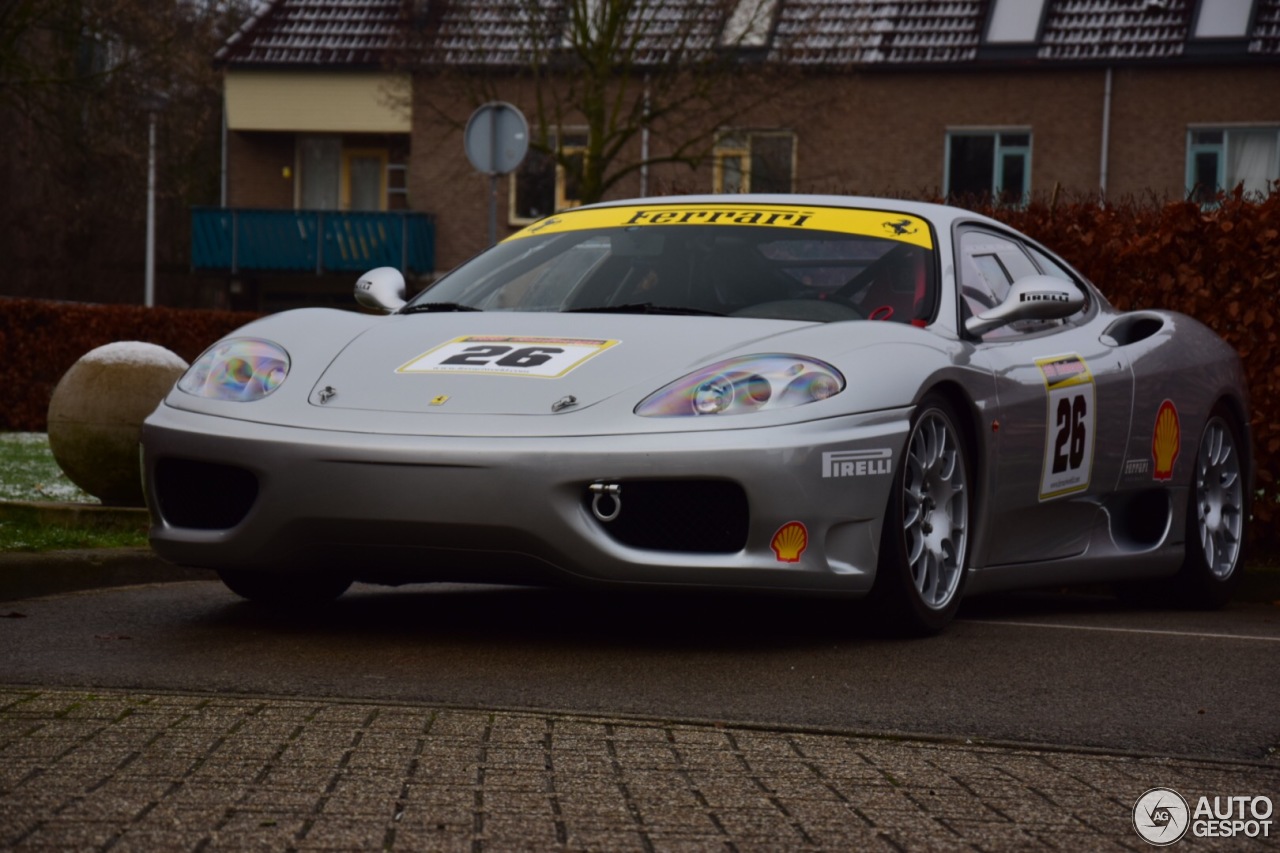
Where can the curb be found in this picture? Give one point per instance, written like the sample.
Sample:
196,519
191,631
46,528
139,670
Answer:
93,516
30,575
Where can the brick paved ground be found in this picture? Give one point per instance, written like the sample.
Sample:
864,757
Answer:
118,771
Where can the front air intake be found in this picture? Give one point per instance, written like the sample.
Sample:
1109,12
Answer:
699,516
203,495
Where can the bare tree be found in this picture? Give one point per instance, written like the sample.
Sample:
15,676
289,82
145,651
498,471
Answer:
624,71
78,79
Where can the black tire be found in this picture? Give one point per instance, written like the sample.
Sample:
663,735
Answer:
278,589
1216,513
924,545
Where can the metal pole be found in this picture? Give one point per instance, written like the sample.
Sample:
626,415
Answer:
320,239
404,243
150,291
222,163
493,209
493,176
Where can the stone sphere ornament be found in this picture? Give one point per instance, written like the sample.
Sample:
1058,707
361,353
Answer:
96,414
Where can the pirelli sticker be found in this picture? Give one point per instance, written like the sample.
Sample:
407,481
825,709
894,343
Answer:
875,223
1069,428
504,355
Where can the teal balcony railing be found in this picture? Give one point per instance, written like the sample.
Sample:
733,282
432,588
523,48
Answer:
236,239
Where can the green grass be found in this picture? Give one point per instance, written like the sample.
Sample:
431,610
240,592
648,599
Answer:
28,472
33,536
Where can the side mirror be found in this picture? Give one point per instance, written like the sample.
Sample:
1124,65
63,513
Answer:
381,289
1036,297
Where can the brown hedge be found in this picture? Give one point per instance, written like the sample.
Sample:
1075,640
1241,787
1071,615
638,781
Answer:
1220,265
41,340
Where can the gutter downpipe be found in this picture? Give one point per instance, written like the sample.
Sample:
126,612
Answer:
1106,136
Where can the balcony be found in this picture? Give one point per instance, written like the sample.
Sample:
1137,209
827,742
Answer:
319,241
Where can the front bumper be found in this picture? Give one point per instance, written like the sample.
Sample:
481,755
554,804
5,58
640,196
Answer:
401,508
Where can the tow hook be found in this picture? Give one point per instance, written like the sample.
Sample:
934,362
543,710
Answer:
606,495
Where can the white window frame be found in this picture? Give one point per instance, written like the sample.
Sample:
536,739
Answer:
1222,150
397,186
1000,150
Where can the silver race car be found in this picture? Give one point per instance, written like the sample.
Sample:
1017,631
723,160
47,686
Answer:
854,396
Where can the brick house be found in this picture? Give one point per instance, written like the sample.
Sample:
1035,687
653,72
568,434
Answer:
941,98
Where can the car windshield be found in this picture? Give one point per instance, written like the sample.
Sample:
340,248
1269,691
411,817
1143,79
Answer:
704,259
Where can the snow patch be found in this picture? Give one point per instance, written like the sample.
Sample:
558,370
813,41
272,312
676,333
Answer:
136,353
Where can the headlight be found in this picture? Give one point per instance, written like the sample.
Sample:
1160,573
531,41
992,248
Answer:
239,369
748,384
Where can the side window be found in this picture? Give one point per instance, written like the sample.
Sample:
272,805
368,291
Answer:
1048,265
988,266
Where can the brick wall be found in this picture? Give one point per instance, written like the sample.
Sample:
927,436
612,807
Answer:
443,182
1153,108
884,132
254,169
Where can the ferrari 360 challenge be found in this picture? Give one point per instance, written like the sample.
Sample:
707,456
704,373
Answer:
854,396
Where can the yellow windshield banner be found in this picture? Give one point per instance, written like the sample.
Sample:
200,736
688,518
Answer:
870,223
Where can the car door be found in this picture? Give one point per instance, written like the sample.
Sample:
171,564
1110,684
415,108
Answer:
1063,408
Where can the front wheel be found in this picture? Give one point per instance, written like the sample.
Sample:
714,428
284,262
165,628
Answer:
296,589
1215,517
924,543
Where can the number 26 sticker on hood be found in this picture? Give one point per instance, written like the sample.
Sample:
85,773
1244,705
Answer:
505,355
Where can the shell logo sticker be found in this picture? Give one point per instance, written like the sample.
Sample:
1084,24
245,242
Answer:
790,542
1166,440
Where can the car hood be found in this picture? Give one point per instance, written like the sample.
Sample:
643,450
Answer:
528,363
361,373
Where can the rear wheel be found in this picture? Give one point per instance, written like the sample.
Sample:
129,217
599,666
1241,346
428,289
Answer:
285,589
924,543
1215,517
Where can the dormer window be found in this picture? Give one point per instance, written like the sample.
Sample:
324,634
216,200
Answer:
1219,19
584,23
749,24
1014,21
